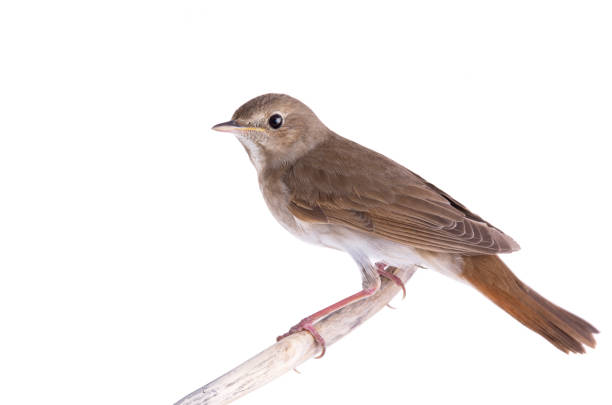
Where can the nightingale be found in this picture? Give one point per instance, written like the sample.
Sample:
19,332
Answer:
330,191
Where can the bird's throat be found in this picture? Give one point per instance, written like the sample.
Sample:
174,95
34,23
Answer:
256,152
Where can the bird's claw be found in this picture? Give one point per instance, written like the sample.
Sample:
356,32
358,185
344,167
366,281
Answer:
381,268
306,325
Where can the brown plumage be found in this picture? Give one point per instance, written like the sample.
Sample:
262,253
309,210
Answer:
329,184
328,190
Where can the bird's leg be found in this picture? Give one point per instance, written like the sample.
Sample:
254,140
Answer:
307,323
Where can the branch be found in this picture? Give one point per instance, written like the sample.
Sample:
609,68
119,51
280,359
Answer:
294,349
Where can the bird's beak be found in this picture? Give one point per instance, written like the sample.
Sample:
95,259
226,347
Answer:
229,126
236,128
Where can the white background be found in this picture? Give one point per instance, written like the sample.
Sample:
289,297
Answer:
138,260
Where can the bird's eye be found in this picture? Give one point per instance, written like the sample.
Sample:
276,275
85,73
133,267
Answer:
275,121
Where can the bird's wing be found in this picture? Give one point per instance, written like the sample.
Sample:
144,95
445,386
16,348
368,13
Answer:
341,182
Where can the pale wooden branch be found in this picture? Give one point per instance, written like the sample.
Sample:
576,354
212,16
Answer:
293,350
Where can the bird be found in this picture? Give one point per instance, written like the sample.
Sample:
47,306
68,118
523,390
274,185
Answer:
330,191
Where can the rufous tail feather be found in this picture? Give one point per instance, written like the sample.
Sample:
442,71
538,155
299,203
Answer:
494,279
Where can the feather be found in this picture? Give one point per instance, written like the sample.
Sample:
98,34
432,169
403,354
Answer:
329,184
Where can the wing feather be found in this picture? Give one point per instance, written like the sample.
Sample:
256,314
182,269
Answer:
341,182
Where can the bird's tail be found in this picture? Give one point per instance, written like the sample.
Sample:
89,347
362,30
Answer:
495,280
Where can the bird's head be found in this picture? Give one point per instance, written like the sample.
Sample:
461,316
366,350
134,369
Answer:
275,129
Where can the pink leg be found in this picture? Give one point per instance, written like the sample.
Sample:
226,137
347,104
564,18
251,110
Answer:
307,323
380,266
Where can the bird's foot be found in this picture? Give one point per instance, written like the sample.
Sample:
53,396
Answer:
382,270
307,325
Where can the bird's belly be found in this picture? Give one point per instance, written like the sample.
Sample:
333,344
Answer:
377,249
359,244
